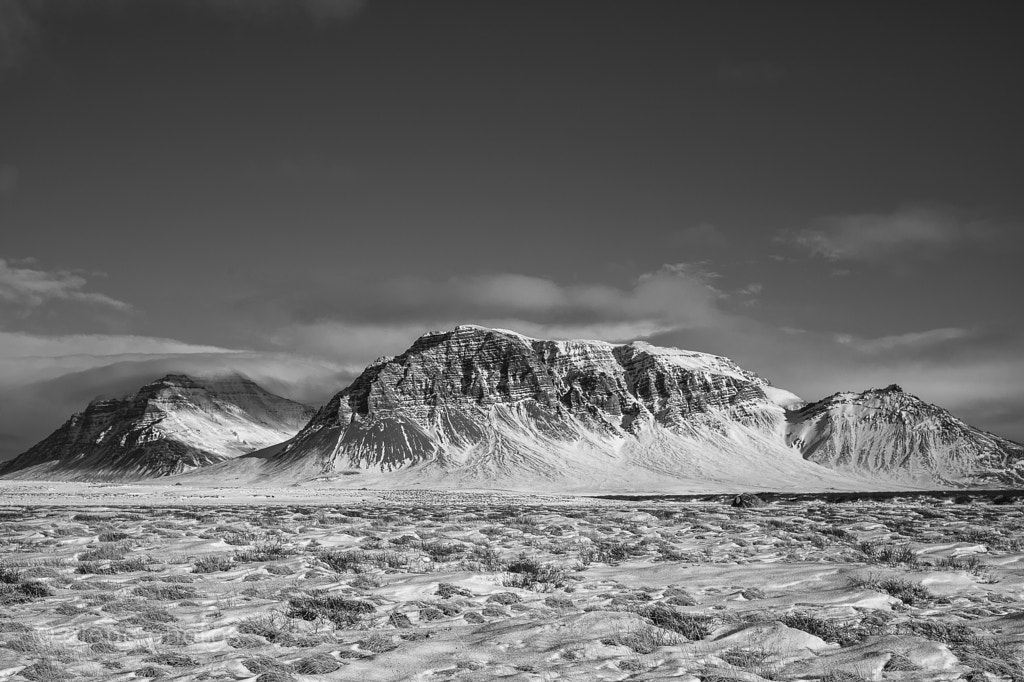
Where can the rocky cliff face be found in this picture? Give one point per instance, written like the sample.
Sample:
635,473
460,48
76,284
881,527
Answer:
172,425
485,406
888,433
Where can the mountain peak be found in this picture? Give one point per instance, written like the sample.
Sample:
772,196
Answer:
485,405
170,425
891,433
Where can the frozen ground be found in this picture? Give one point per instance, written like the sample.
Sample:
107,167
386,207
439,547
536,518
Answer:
363,585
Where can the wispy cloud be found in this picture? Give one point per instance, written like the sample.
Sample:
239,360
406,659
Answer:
28,287
914,341
920,231
749,294
27,345
387,318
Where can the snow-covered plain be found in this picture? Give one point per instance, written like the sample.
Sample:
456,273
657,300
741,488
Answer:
428,586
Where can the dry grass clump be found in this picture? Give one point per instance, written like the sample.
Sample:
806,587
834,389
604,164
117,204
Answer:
989,537
360,561
15,588
608,551
111,535
693,627
246,642
241,538
173,592
970,563
105,552
263,664
745,658
910,593
982,653
38,646
212,563
644,639
272,627
151,618
529,574
270,548
343,562
378,643
891,554
150,671
447,591
45,670
319,605
317,664
827,630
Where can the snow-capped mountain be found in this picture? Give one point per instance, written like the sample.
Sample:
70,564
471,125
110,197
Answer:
170,426
489,408
891,434
492,408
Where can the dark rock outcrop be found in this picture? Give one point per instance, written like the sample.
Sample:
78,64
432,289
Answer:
490,398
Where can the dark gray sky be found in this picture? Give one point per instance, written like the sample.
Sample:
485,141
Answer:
828,193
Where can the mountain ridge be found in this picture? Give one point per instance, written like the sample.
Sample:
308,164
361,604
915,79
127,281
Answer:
475,407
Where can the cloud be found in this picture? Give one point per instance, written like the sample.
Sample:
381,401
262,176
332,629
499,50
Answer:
756,74
43,380
26,358
920,231
752,289
27,287
23,345
388,317
915,341
9,173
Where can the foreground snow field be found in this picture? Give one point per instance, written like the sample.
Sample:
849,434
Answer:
472,586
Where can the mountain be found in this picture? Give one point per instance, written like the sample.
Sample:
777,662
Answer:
478,407
492,409
170,426
891,434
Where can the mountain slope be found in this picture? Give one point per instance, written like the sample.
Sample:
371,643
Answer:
892,434
172,425
491,408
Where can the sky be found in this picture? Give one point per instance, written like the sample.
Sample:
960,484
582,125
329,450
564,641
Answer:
828,193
